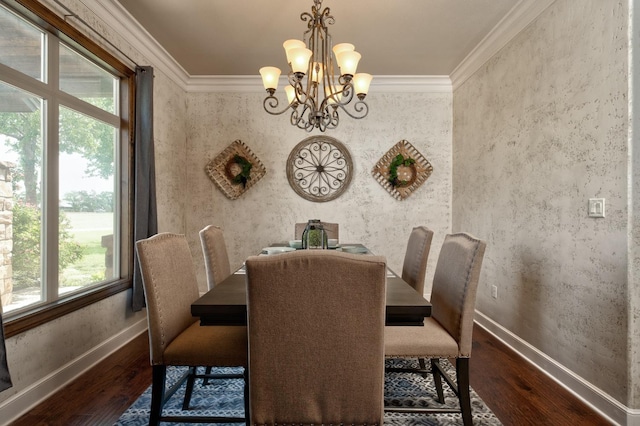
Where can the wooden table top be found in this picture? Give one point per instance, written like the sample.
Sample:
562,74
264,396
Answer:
226,303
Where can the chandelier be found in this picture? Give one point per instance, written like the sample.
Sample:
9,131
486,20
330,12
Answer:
316,93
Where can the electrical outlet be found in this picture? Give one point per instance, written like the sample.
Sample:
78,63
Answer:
596,207
494,291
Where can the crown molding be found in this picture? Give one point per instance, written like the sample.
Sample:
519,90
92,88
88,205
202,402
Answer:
380,84
412,84
128,28
518,18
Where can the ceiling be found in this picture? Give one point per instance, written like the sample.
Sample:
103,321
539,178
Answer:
399,37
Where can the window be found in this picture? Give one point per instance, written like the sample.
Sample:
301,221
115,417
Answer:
64,169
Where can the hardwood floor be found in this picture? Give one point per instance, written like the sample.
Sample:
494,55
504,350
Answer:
516,391
520,394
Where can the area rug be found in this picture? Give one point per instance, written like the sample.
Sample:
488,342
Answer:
401,389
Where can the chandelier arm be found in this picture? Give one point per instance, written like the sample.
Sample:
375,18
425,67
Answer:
297,117
360,107
299,120
304,125
270,104
298,90
294,116
321,123
326,18
346,94
332,117
307,17
303,97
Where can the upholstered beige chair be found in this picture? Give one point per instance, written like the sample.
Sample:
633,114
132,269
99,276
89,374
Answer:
316,327
414,268
216,259
175,337
216,262
331,229
448,332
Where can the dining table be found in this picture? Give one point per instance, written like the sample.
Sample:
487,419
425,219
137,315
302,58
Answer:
226,302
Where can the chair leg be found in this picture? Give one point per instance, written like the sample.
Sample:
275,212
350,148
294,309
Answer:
437,379
246,396
189,388
157,393
462,375
423,366
205,381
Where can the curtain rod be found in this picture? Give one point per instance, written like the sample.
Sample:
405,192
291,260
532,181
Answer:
72,14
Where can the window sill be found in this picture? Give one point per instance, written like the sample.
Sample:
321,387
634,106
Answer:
27,320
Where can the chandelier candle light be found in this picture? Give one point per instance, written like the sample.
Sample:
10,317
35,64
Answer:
315,100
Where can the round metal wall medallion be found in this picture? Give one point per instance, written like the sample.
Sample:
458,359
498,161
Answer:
319,168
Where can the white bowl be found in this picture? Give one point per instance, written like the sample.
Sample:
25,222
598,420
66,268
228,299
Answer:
333,242
355,249
277,250
295,244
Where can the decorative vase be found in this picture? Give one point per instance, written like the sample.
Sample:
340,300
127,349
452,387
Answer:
313,236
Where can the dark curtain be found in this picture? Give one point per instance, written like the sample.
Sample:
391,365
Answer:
145,211
5,378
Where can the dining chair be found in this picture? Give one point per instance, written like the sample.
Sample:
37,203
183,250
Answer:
175,337
316,327
448,332
331,229
414,268
216,263
216,258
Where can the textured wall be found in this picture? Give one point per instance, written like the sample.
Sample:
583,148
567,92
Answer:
366,212
633,378
170,121
539,130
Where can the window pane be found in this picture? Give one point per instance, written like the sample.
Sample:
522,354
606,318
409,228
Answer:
87,203
21,45
85,80
20,198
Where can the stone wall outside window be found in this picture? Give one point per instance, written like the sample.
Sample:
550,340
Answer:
6,232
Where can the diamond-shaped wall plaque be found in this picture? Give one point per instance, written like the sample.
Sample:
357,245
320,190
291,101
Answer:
410,173
226,168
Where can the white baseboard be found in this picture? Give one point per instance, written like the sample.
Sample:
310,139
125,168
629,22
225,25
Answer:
601,402
25,400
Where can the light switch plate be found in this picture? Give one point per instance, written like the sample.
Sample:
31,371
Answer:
596,207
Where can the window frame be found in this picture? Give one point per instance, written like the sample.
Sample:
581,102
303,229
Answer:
50,22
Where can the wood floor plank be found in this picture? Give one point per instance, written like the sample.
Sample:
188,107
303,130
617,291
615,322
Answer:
517,392
520,394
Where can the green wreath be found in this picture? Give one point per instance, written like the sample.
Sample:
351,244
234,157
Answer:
398,161
245,173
